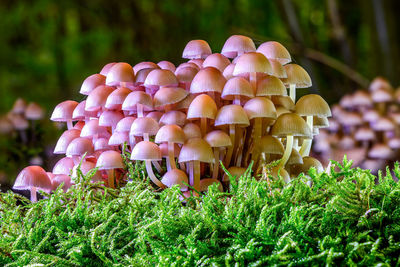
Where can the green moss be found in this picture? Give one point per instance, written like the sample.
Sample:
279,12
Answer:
345,218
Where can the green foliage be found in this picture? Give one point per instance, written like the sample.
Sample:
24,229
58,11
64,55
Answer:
345,218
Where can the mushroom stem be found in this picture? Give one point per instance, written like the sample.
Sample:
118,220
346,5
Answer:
292,92
33,194
146,137
253,81
296,144
203,126
152,176
288,151
256,136
306,146
228,156
236,100
171,157
111,175
196,175
240,147
216,163
69,124
139,110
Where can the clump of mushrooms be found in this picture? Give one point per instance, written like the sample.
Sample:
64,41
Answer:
182,121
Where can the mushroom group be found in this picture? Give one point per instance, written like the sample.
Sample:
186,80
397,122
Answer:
365,127
182,121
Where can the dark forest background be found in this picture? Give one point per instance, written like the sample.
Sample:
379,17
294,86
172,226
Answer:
47,48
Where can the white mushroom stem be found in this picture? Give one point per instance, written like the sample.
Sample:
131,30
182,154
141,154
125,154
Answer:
236,100
296,144
69,124
292,92
306,146
203,126
230,149
111,176
194,176
171,156
288,151
33,194
139,110
256,136
216,163
152,176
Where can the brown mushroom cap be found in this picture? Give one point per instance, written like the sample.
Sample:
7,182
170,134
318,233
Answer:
274,50
202,106
260,107
196,149
290,124
312,105
176,177
269,145
196,49
236,45
146,150
232,114
207,80
170,133
192,130
283,101
237,86
296,75
320,122
252,62
234,172
277,68
218,138
294,158
169,95
269,86
185,74
207,182
309,162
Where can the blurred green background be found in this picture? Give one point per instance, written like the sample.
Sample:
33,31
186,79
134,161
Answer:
47,48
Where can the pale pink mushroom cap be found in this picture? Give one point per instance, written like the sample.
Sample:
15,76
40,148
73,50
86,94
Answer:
166,65
102,144
59,179
145,65
118,138
34,112
33,176
196,49
146,150
86,167
156,115
160,77
173,117
104,71
217,61
144,125
63,111
176,177
276,51
80,146
124,125
93,128
65,139
237,45
110,118
208,80
63,166
135,98
110,160
228,71
120,73
116,98
252,62
80,113
91,83
98,97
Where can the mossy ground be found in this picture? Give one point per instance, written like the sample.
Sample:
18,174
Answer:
344,218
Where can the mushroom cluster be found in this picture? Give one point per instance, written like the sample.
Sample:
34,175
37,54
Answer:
231,107
365,127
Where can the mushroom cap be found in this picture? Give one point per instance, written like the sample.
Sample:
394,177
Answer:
364,134
232,114
137,97
110,118
80,146
217,61
176,177
118,138
170,133
312,105
187,65
92,82
6,125
101,144
117,98
283,101
291,124
379,82
92,128
237,45
59,179
65,139
185,103
309,162
362,98
33,176
347,142
207,182
63,166
124,125
106,68
370,115
110,160
237,86
141,75
18,121
85,167
144,65
166,65
350,119
63,111
207,80
276,51
260,107
196,49
218,138
294,158
197,61
80,113
19,106
270,145
169,95
98,98
277,69
296,75
380,151
234,172
252,62
144,125
394,143
120,72
196,149
270,85
160,77
185,74
34,112
156,115
279,171
192,130
381,95
146,150
173,117
202,106
383,124
228,71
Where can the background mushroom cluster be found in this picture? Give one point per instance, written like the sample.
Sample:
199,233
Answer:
365,126
235,107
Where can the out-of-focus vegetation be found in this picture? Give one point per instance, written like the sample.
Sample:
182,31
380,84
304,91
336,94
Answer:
48,47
